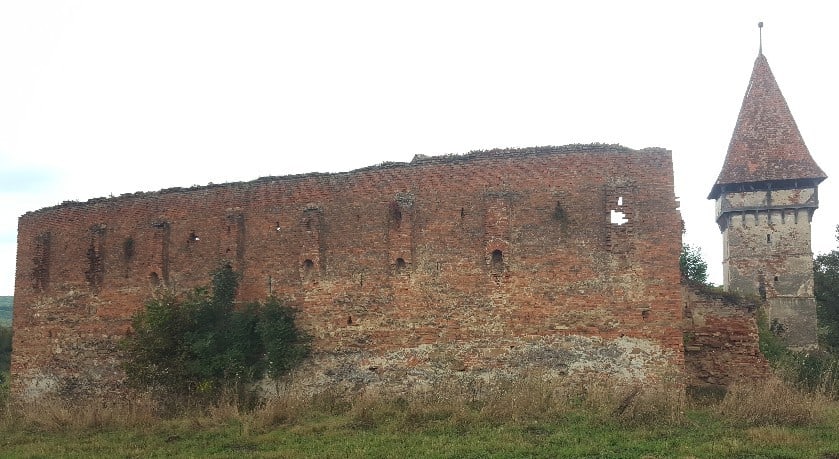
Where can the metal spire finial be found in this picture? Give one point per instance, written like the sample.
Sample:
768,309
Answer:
760,32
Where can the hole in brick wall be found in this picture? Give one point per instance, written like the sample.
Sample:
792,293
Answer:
349,320
497,260
394,214
154,279
618,218
462,212
645,314
193,237
308,265
776,278
277,226
559,212
400,264
768,238
128,248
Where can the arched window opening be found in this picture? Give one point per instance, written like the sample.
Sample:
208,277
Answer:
497,260
308,265
154,279
400,265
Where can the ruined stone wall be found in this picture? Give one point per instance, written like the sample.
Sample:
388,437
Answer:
721,339
492,262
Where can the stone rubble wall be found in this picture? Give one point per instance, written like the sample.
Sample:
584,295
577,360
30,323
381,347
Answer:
721,339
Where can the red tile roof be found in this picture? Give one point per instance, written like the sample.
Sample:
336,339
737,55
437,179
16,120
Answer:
766,145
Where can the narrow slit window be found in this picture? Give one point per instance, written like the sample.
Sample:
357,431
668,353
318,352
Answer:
497,260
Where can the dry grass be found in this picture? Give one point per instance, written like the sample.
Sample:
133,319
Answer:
773,402
54,414
455,404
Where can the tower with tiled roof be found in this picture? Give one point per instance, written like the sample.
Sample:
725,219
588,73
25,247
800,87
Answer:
766,194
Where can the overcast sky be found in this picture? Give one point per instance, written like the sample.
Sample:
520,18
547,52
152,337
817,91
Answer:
104,98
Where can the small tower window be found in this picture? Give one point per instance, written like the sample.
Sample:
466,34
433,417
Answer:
768,238
308,265
400,265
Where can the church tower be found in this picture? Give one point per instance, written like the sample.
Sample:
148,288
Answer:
766,194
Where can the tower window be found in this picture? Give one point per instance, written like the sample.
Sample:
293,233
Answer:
768,238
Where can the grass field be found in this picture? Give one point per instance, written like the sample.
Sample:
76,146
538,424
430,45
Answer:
527,420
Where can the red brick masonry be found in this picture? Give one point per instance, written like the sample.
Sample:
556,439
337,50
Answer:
495,262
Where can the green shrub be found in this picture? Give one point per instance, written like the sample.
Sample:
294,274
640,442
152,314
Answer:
201,344
5,350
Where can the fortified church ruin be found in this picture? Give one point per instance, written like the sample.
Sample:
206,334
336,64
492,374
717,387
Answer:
558,259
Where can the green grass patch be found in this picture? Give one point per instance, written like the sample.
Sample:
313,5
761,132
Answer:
704,436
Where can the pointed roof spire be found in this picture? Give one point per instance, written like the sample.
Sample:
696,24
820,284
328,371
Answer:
766,145
760,34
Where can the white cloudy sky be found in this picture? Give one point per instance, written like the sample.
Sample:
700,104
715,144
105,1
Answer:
105,97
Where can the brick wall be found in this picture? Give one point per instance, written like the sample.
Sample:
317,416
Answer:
721,339
496,261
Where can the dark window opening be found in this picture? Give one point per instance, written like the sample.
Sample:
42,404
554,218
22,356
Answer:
559,213
497,260
462,212
400,264
768,238
128,248
193,237
308,265
395,213
154,279
776,278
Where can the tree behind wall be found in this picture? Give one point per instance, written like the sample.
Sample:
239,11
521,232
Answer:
826,290
692,266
